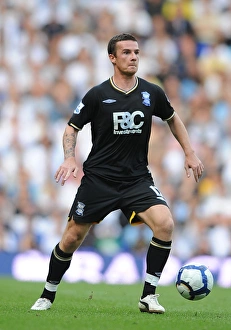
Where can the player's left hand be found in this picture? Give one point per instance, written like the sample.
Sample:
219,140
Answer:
193,162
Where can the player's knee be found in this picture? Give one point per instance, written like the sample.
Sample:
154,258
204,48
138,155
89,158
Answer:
165,227
72,238
168,225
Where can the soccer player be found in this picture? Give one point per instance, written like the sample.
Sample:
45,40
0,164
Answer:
116,174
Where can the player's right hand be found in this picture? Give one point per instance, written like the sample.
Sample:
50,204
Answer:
64,171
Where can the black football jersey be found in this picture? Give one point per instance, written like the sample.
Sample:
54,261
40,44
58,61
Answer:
120,126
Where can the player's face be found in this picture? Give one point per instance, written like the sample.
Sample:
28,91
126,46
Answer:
126,59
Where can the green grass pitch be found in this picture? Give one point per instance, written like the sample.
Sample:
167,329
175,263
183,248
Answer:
85,306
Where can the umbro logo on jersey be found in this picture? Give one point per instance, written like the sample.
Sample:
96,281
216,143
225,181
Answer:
109,101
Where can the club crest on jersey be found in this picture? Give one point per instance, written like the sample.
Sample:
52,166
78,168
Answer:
80,209
79,108
146,98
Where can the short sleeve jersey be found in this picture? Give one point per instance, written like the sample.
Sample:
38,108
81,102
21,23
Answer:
120,127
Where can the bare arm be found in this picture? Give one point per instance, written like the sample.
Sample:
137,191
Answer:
191,160
69,165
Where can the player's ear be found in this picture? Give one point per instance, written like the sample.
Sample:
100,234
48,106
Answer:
112,58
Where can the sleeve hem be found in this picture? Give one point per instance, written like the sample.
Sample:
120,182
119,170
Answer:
170,117
75,127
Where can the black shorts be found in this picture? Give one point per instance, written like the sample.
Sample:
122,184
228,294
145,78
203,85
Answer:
97,197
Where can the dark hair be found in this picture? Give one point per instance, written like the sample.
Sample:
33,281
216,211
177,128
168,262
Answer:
111,48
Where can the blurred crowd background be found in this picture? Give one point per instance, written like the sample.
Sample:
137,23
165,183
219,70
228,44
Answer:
51,53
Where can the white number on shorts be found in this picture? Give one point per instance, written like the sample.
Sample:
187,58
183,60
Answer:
158,193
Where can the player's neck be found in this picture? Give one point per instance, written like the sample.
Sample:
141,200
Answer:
126,83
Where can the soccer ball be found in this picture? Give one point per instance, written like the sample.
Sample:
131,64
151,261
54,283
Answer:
194,281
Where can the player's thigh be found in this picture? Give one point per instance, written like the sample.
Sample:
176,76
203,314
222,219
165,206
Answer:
95,198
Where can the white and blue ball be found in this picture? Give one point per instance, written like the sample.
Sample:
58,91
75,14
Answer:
194,281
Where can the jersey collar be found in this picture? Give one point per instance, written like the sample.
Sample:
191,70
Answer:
121,90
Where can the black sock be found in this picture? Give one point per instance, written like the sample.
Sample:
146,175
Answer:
59,263
156,259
